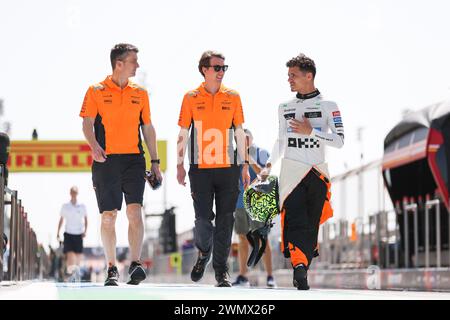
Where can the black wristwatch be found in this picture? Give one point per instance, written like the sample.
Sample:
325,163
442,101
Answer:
155,161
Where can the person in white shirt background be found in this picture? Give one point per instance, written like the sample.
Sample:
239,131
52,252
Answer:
75,216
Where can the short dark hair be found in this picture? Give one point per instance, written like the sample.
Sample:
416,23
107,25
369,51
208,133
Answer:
206,57
304,63
120,52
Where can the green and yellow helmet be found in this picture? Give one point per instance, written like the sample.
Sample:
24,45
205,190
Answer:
261,199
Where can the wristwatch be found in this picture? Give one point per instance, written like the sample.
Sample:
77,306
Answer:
155,161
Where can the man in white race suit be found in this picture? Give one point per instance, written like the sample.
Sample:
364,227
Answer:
304,125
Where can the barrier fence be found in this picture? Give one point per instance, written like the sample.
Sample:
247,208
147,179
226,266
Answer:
25,257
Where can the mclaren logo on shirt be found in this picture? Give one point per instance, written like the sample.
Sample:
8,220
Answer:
200,105
306,143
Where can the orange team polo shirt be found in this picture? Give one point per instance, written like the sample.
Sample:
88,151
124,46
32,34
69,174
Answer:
212,119
118,114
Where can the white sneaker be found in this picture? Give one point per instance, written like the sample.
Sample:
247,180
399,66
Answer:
75,276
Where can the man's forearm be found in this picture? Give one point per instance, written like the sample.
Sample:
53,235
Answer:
181,145
241,144
150,139
89,133
59,227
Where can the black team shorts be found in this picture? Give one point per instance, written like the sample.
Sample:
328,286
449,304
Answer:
73,243
120,174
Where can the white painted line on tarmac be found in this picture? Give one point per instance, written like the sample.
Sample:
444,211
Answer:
30,291
179,291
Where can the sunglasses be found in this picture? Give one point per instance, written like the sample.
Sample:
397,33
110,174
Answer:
217,68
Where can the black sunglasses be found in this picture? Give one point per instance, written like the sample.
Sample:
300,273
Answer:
217,68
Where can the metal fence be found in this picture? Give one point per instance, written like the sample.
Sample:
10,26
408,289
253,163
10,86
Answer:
413,235
26,258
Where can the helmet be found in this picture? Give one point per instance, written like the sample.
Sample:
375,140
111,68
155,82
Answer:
261,199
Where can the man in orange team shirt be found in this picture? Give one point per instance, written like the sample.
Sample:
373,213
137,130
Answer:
214,115
113,112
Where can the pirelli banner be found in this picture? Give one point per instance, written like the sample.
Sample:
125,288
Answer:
62,156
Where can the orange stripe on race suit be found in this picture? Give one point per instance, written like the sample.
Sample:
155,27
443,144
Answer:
297,256
327,210
283,215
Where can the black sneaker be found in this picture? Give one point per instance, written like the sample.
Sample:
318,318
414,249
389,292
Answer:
222,279
271,282
113,277
300,277
136,272
199,267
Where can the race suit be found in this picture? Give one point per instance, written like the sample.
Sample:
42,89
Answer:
304,179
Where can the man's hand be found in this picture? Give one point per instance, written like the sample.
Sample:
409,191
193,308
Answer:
302,127
98,153
157,172
245,175
181,175
83,235
58,237
265,172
